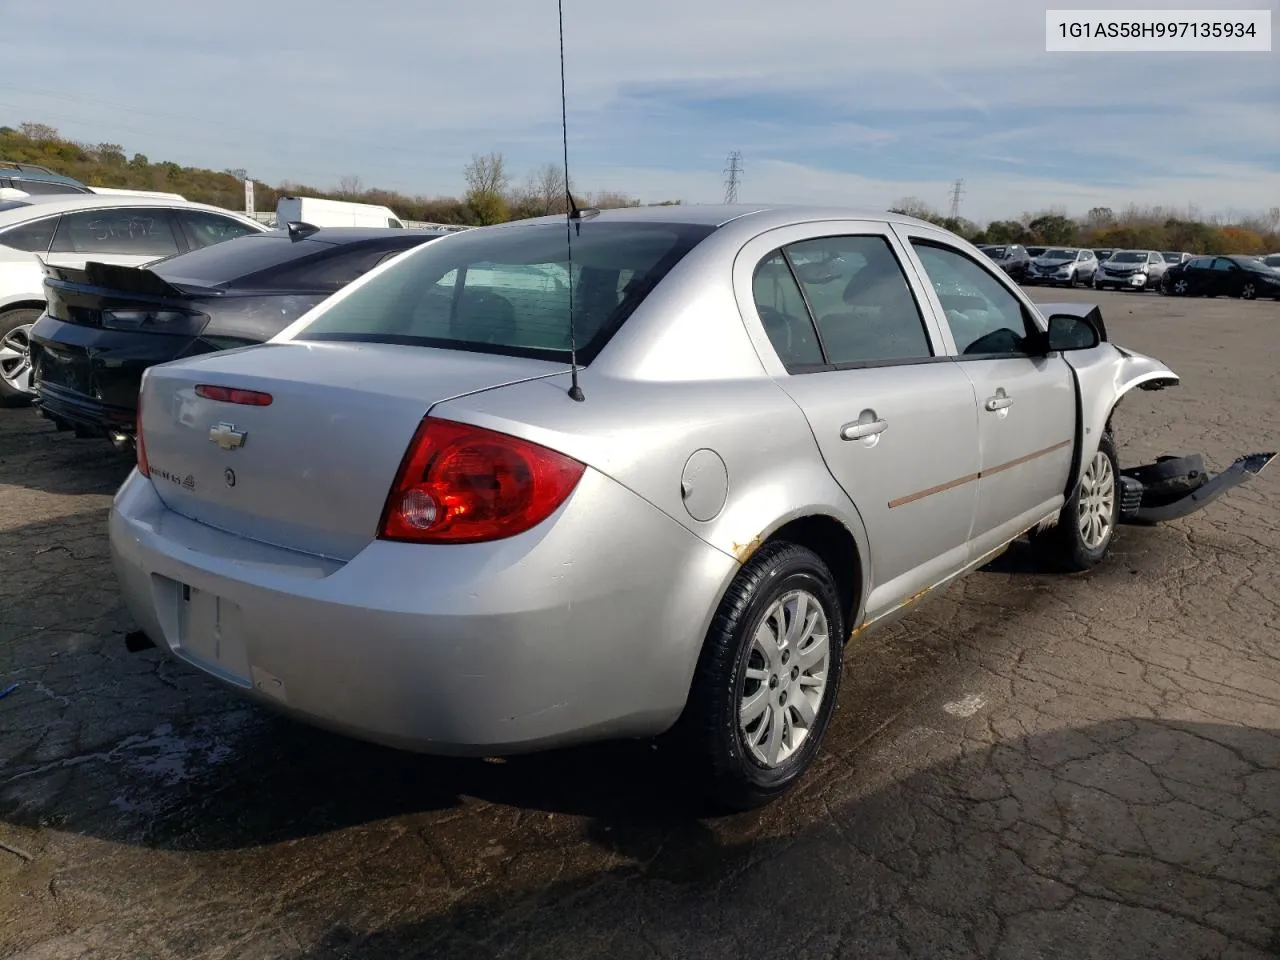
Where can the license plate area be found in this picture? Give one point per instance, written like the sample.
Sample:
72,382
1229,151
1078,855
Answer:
211,633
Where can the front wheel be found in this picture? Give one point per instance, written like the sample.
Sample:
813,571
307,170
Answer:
767,679
1249,291
1087,524
15,355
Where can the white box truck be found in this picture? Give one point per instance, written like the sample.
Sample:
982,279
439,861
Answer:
333,213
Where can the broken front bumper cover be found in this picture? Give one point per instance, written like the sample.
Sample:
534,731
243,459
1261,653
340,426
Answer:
1174,487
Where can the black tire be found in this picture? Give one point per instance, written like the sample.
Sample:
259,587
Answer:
709,733
1063,546
10,320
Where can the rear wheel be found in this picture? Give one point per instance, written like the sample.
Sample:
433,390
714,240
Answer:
1086,526
767,679
15,355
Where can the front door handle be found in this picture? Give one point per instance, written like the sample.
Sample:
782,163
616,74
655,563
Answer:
999,402
861,429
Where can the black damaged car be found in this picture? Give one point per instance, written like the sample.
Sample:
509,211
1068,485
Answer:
105,324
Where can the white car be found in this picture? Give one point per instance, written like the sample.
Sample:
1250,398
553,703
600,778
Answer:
70,229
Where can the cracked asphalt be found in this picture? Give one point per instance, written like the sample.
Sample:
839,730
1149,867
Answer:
1033,766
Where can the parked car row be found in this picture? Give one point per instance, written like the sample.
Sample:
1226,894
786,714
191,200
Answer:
68,230
1167,271
389,518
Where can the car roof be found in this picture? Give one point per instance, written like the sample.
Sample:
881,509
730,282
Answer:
353,234
17,170
718,215
49,204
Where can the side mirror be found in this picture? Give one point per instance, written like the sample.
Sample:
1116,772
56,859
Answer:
1068,332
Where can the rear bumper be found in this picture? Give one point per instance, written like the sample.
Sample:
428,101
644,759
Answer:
89,376
89,415
588,627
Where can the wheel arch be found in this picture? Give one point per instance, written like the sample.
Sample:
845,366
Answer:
835,544
22,305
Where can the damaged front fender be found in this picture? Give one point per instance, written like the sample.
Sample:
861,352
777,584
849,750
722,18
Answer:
1103,375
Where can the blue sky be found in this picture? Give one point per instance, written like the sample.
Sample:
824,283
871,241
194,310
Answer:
827,100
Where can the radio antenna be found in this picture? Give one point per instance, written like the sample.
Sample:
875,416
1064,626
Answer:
571,214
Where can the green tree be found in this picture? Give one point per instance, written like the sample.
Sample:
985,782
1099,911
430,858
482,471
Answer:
1053,228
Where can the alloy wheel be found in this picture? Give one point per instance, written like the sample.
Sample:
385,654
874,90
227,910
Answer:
1097,501
786,678
15,358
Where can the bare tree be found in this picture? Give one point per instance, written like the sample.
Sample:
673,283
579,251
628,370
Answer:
349,185
486,174
545,191
38,131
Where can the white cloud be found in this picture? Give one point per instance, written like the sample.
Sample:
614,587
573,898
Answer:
402,93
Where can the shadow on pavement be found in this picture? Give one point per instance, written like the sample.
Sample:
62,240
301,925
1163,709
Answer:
36,455
1134,838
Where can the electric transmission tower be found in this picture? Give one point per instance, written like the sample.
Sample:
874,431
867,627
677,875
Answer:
957,191
733,176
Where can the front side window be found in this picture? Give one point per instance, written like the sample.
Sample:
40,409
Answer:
139,231
32,237
509,289
860,299
984,317
1224,265
204,229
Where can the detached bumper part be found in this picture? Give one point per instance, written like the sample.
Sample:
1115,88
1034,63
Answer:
1174,487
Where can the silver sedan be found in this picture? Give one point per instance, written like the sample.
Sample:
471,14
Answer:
639,472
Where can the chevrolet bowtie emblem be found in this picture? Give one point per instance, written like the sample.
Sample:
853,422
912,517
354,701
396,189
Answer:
226,436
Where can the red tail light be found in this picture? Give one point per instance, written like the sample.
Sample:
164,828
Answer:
464,484
144,468
252,398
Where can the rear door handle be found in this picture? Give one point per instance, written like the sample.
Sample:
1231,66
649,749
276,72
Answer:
860,429
999,403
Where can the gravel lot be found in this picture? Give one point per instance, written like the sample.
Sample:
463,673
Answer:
1032,766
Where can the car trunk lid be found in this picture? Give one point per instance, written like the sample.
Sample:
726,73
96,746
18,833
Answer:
310,471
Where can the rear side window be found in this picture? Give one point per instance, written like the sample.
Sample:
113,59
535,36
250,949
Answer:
138,231
204,229
861,300
783,314
32,237
509,289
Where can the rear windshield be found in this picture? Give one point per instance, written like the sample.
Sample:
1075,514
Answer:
508,289
229,260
